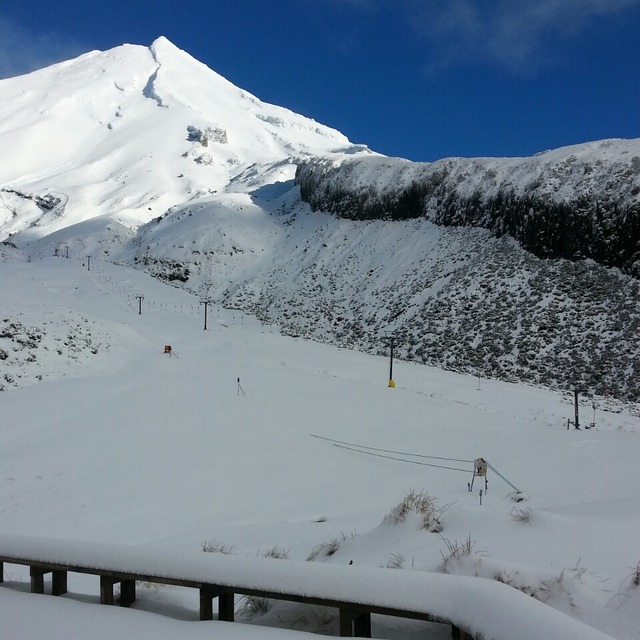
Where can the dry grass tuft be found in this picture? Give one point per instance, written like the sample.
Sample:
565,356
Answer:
277,552
326,549
396,560
213,546
424,505
455,550
522,516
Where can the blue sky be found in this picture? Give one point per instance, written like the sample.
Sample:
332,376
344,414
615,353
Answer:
413,78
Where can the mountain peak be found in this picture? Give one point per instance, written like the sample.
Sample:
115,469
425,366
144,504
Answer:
110,151
162,47
162,41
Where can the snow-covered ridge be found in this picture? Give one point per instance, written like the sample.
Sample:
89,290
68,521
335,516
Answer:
611,167
576,202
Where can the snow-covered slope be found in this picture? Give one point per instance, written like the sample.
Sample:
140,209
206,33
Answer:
455,298
211,450
144,157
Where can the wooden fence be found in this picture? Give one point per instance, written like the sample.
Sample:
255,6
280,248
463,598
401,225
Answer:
473,607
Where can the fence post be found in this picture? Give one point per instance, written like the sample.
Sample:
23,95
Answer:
226,606
127,593
206,602
346,623
459,634
106,590
37,579
58,583
362,625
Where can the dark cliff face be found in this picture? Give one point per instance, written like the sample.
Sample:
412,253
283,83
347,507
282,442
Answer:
575,206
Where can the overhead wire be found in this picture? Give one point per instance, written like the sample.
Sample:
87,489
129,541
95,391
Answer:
381,455
400,453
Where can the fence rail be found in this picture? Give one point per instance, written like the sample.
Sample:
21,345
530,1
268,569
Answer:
473,607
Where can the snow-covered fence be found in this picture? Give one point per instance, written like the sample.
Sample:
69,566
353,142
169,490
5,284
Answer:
474,607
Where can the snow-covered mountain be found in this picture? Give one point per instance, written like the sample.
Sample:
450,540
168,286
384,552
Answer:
143,155
127,133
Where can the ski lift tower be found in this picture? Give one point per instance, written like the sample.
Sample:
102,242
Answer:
390,339
206,302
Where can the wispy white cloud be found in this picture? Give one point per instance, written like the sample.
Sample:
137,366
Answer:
519,35
22,51
515,34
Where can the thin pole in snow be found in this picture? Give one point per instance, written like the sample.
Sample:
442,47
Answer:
140,298
206,302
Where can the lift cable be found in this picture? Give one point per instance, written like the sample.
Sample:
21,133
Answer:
400,453
381,455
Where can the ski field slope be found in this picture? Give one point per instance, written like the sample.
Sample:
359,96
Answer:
118,442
